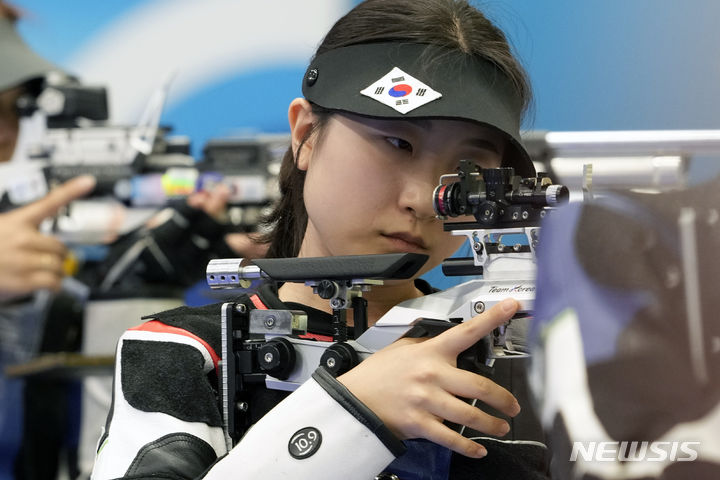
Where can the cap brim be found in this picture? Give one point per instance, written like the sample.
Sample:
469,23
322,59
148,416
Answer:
20,63
470,89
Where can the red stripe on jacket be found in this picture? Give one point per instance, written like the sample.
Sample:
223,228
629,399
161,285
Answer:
316,336
159,327
258,303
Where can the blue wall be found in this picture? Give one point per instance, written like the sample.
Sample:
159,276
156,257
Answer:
595,65
610,65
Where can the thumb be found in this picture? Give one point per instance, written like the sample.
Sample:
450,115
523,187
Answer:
465,335
58,197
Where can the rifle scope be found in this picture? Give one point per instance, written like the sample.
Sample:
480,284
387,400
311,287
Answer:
496,195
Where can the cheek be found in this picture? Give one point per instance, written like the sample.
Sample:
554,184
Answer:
335,181
351,172
342,192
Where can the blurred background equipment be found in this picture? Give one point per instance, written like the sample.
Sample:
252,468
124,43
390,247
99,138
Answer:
135,242
139,168
652,159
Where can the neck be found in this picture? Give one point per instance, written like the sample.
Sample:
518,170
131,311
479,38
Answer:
380,298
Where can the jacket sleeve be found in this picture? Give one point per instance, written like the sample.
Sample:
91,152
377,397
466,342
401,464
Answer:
165,421
321,431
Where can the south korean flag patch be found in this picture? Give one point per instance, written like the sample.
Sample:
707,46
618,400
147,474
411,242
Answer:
401,91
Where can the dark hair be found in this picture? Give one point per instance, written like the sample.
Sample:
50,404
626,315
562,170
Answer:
453,24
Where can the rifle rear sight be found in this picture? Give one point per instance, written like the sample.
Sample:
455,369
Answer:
496,197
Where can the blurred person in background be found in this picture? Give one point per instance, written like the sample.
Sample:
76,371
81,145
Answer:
37,416
31,262
28,260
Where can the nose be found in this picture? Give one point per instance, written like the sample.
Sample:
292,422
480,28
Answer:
415,195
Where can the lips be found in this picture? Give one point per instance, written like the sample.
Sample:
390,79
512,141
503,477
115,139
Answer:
406,241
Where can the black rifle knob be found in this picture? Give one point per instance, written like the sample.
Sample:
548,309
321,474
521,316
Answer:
277,358
488,213
327,289
338,358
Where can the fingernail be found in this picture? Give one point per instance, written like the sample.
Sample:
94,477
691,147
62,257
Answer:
86,180
515,408
508,305
480,451
504,428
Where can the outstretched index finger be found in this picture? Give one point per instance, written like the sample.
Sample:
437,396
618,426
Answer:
465,335
58,197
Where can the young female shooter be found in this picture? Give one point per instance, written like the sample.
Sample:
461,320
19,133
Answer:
397,94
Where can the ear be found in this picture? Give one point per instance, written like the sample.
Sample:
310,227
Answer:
301,119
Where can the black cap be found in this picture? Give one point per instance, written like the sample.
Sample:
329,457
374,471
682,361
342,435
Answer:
415,80
19,63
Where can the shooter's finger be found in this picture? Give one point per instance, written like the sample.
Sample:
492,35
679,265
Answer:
471,385
24,262
457,411
463,336
442,435
30,240
43,279
19,285
219,197
46,262
197,199
60,196
213,202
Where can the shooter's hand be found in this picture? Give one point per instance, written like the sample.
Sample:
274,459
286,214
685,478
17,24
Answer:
413,385
213,202
30,260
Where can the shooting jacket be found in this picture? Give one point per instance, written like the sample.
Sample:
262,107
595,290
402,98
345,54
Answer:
166,422
626,338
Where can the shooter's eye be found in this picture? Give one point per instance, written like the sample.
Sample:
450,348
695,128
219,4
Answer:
400,143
